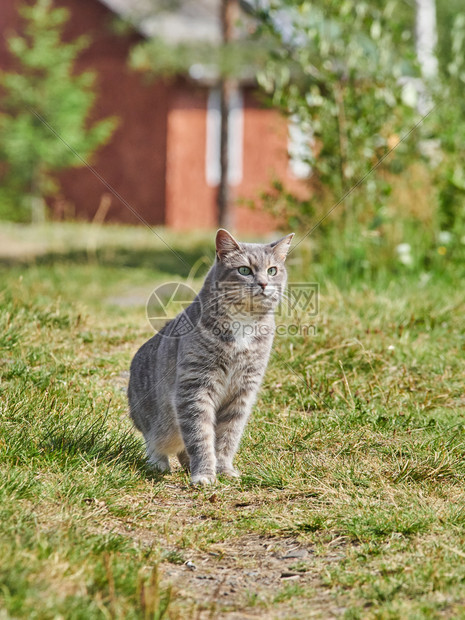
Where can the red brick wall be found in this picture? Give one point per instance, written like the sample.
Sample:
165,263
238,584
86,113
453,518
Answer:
8,23
265,159
133,162
156,157
190,203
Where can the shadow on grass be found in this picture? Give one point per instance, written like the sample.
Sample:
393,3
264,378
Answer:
179,262
95,441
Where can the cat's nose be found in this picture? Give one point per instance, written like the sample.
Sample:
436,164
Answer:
263,285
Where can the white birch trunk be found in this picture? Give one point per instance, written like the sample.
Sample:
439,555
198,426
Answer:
426,37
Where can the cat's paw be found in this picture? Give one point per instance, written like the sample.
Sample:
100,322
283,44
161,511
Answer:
159,464
229,472
203,480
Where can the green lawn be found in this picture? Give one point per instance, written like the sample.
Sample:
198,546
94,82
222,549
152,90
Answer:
351,503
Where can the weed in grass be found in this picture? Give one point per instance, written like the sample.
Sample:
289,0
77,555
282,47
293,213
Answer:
288,592
174,557
153,600
435,467
381,523
299,567
17,483
312,524
252,599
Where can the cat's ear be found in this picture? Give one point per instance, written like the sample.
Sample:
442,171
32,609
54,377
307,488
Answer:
281,247
225,243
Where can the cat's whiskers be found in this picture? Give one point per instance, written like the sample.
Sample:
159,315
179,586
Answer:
223,300
215,301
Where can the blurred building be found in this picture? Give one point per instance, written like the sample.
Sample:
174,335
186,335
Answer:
163,159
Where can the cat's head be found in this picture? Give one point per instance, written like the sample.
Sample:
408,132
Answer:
251,275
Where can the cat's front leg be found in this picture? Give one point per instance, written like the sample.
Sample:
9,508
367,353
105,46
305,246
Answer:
196,418
230,425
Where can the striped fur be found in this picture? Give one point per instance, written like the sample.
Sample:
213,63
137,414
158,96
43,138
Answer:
192,395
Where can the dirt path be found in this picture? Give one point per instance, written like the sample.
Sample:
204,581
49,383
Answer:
251,576
248,574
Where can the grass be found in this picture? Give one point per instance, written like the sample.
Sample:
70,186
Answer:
354,457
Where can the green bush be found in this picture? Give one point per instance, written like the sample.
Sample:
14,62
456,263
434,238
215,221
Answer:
44,116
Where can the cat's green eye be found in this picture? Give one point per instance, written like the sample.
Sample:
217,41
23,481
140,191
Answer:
244,271
272,271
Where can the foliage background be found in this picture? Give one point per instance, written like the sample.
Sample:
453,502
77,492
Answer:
347,73
44,86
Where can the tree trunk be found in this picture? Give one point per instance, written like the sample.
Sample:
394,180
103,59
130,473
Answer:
228,16
36,201
224,194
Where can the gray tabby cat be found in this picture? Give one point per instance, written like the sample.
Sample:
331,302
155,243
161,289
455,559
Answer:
192,394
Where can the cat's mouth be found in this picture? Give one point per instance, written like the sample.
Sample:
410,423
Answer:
269,293
266,297
253,299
